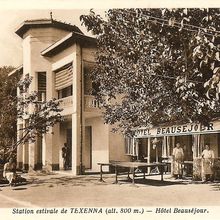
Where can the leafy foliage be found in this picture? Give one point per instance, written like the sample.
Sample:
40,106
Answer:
157,65
39,116
7,110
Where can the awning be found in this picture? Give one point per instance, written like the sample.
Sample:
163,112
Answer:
64,77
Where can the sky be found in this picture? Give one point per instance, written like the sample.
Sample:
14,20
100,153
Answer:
14,12
11,44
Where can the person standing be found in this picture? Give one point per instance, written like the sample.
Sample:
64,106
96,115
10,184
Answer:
207,163
68,156
178,156
64,156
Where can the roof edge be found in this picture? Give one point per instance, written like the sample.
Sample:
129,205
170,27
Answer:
15,70
24,26
64,42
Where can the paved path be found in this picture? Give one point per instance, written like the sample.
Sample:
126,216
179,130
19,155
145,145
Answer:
61,190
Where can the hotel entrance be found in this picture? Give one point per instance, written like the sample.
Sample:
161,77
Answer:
87,150
69,147
65,155
157,144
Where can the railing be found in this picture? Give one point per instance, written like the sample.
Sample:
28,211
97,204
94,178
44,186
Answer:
90,102
66,102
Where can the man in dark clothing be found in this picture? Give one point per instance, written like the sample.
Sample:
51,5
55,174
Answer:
64,156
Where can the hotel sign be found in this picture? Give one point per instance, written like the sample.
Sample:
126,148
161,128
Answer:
187,129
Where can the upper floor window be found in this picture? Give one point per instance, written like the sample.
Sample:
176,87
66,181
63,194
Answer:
64,77
65,92
90,87
42,82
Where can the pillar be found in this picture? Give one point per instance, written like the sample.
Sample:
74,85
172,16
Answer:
75,144
196,159
173,145
32,156
39,152
77,112
148,153
19,148
25,149
56,146
47,157
25,156
43,150
50,149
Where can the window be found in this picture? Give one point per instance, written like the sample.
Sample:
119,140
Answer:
41,76
65,92
90,87
95,88
64,77
131,146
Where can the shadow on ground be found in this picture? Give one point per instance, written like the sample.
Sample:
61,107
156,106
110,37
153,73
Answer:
94,180
20,188
152,182
64,181
215,186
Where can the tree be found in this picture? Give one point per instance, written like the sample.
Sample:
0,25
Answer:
164,64
7,110
37,116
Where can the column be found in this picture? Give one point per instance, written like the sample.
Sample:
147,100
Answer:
56,146
25,152
83,120
25,157
168,146
32,156
19,148
173,145
196,159
148,153
77,112
43,151
47,152
164,147
50,149
50,140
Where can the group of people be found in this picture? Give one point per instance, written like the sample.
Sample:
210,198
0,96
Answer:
178,158
207,162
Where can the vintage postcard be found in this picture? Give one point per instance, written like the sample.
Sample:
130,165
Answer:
109,110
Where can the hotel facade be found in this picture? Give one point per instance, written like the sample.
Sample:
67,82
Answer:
59,57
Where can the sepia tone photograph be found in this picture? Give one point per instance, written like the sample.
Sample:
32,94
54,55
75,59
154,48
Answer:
110,111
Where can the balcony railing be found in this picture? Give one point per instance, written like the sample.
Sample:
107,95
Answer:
91,103
66,102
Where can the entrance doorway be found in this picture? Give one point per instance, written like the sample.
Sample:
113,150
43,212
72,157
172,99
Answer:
39,143
87,150
69,145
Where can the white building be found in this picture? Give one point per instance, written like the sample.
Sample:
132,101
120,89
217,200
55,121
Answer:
59,56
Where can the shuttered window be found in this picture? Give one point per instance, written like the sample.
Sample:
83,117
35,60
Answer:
41,85
64,77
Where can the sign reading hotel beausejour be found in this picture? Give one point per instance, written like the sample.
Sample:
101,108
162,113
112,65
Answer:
186,129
